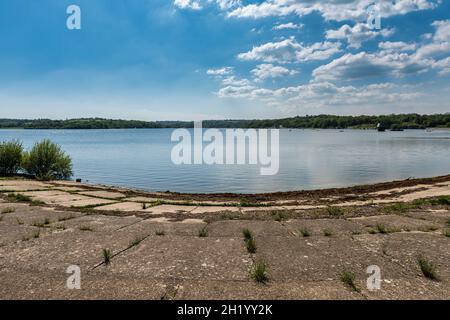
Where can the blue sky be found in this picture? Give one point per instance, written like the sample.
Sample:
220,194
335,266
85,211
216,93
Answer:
215,59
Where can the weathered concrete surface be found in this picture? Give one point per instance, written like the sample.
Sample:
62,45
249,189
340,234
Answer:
170,251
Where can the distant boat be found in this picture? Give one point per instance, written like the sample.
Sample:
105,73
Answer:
381,127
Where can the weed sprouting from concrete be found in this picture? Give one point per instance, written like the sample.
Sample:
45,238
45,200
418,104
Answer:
8,210
203,233
107,255
305,232
427,267
348,278
259,272
335,211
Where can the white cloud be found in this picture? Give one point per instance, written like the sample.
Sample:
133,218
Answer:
233,81
366,65
337,10
440,41
324,94
220,72
290,50
397,46
357,34
265,71
188,4
289,25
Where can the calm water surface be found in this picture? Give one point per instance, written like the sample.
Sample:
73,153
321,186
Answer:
309,159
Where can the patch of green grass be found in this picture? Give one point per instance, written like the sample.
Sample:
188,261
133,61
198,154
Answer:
442,201
428,268
327,232
251,245
399,207
381,228
335,211
160,232
8,210
19,197
348,278
42,224
136,242
259,272
305,232
203,232
247,234
85,228
279,216
107,255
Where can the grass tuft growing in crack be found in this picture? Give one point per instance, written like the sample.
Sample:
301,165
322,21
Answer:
250,242
335,211
137,241
107,255
259,272
8,210
348,278
203,233
305,232
428,268
327,232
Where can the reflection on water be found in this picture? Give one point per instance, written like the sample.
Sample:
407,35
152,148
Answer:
309,159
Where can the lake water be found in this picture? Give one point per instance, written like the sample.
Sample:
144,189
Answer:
309,159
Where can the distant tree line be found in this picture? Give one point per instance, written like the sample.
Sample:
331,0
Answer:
393,121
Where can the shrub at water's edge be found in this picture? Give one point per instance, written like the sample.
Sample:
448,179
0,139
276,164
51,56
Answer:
10,157
47,161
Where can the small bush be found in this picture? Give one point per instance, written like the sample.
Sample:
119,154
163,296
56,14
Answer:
19,197
428,268
327,232
259,272
10,157
446,232
47,161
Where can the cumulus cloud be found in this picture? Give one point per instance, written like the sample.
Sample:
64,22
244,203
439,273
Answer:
290,50
188,4
366,65
220,72
440,41
397,46
323,94
337,10
290,25
265,71
357,34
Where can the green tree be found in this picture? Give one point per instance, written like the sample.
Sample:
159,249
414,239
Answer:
47,161
10,157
